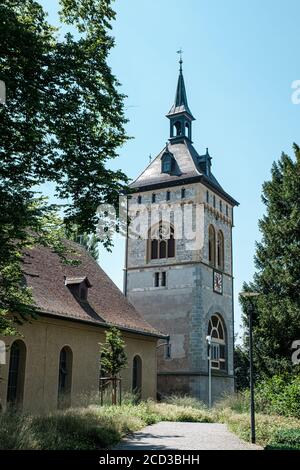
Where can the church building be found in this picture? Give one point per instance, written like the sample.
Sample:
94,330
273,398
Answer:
184,289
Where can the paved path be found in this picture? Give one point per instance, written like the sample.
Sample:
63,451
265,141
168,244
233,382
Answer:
192,436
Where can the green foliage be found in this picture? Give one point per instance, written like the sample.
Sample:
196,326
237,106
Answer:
185,400
98,427
62,123
285,439
241,368
266,425
278,395
276,311
89,241
113,356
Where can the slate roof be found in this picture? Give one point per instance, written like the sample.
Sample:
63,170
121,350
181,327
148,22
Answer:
180,104
46,274
187,169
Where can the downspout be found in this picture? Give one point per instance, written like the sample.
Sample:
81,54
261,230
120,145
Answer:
126,252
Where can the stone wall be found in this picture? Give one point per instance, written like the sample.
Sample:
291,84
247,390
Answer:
184,306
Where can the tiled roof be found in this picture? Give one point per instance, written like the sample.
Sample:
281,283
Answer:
187,168
45,273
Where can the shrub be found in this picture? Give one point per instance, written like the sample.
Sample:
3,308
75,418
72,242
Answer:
184,400
286,439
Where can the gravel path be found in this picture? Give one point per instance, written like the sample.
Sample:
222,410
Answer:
192,436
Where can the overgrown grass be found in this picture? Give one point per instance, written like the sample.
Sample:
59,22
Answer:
92,427
99,427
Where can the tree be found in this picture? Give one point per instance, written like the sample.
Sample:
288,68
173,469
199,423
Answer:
241,368
276,311
113,357
63,122
89,241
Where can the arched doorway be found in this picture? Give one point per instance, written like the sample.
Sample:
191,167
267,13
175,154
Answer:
16,374
137,376
65,377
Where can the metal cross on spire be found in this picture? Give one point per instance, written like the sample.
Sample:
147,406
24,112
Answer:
180,52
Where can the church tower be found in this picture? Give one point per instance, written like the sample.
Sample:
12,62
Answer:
178,270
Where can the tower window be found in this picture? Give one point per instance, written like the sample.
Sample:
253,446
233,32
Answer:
207,197
214,200
220,250
163,249
177,127
216,331
160,279
166,164
162,242
221,206
153,198
211,245
182,193
187,130
226,210
139,199
168,194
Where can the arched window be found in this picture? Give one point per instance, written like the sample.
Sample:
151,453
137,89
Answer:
162,242
212,245
218,342
177,127
16,374
187,129
65,377
137,376
220,250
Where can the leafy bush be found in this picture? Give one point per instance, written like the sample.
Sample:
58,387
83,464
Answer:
279,395
287,439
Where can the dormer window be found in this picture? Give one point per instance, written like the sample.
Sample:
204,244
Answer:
78,286
167,165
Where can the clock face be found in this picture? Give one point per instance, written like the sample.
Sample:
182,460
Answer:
218,282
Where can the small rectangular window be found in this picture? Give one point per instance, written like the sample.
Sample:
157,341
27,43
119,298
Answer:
226,210
153,198
163,278
207,197
156,280
168,351
214,201
221,206
182,193
139,199
168,195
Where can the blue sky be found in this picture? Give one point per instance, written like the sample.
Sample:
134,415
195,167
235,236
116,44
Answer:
240,59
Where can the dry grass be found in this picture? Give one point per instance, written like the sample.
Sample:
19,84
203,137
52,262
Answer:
99,427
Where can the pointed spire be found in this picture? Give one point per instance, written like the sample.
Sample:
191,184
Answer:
180,104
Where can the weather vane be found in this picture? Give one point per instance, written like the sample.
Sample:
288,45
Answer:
180,52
